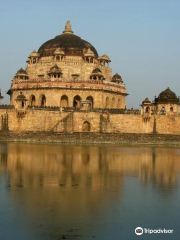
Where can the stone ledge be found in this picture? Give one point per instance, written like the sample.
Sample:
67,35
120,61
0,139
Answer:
92,138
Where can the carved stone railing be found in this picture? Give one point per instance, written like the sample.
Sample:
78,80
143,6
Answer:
113,84
165,113
98,110
63,80
5,106
40,80
45,108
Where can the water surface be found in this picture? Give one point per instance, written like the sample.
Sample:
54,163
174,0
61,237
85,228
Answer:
53,192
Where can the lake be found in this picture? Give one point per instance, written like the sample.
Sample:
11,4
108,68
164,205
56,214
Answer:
54,191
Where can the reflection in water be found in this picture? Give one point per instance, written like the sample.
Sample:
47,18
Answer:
72,192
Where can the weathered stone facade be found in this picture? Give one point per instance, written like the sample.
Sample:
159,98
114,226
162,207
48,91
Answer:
52,120
67,87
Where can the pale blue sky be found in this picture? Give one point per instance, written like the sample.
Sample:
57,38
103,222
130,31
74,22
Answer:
142,38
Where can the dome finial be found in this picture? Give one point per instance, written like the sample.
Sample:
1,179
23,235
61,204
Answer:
68,29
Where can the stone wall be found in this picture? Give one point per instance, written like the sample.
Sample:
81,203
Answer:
169,124
48,120
129,123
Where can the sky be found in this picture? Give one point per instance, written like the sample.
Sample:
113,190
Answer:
142,38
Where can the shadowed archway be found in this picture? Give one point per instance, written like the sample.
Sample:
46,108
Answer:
77,101
86,127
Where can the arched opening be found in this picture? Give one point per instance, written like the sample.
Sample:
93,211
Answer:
107,102
147,110
89,98
171,109
119,103
163,110
22,104
43,101
57,58
32,100
64,101
113,103
77,101
86,127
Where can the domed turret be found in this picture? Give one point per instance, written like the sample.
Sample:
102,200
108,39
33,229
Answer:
89,56
117,78
21,101
104,60
146,101
21,97
34,54
97,74
33,57
146,105
55,71
21,74
71,44
167,96
59,54
89,53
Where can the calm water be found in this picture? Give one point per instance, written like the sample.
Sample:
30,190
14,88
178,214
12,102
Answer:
53,192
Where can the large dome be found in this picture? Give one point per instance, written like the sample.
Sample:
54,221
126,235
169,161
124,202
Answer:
167,96
71,44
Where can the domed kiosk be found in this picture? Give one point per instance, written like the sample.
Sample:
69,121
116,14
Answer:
167,96
166,102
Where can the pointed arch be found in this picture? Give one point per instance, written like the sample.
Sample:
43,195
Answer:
107,105
90,98
171,109
43,100
77,101
119,103
113,103
163,109
86,127
147,109
64,101
32,100
22,104
58,58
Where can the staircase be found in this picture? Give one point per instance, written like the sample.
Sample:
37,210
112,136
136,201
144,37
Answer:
64,125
